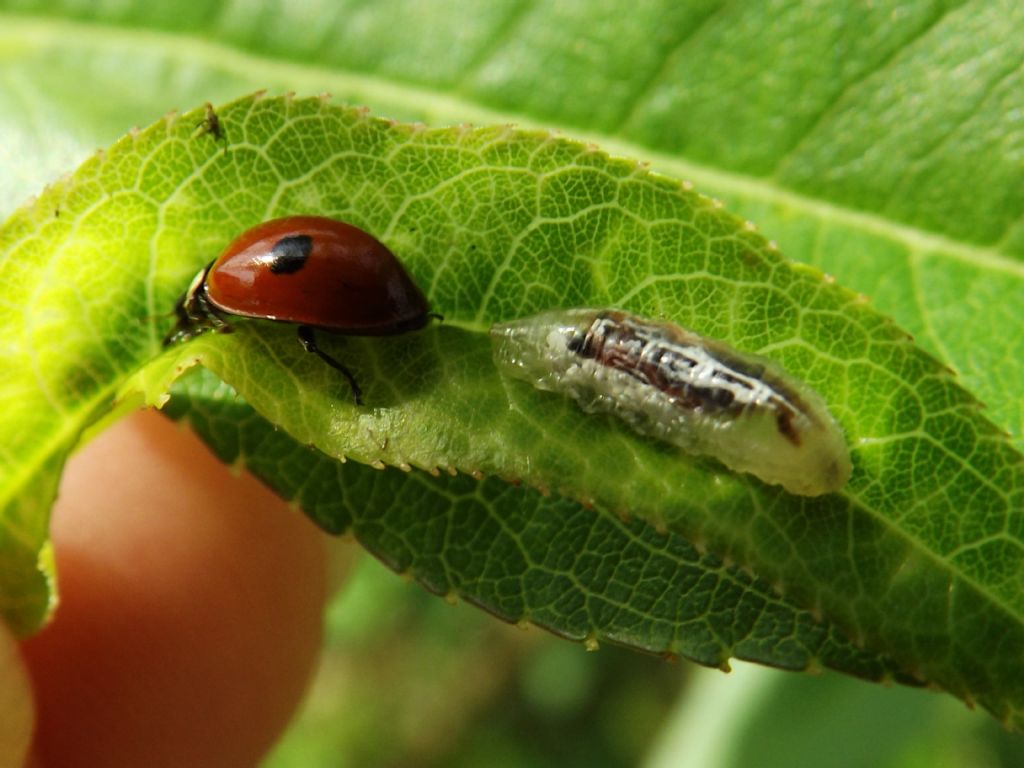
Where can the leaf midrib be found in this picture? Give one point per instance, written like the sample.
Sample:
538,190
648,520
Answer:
454,109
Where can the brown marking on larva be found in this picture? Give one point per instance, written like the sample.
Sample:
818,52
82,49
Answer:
656,354
750,369
759,371
617,345
610,350
719,397
684,396
661,366
789,396
784,416
656,372
621,358
733,379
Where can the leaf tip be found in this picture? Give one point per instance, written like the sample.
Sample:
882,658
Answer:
814,666
699,544
237,467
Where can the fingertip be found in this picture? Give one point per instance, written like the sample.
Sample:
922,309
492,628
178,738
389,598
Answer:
190,612
16,708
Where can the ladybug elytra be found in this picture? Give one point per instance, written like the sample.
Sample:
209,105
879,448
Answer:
311,271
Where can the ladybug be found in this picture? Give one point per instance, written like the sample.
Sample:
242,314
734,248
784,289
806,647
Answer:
314,272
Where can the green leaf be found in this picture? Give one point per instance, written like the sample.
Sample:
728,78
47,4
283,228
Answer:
881,144
494,224
797,116
527,557
759,718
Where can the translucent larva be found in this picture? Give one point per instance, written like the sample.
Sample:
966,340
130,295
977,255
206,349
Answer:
674,385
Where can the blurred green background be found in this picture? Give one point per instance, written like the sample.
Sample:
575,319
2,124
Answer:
408,679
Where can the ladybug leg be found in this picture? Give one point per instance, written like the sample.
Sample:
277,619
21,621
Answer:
308,341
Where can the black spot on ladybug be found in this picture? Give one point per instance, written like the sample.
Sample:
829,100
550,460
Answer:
289,254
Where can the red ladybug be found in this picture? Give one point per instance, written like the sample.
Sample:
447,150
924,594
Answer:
318,273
